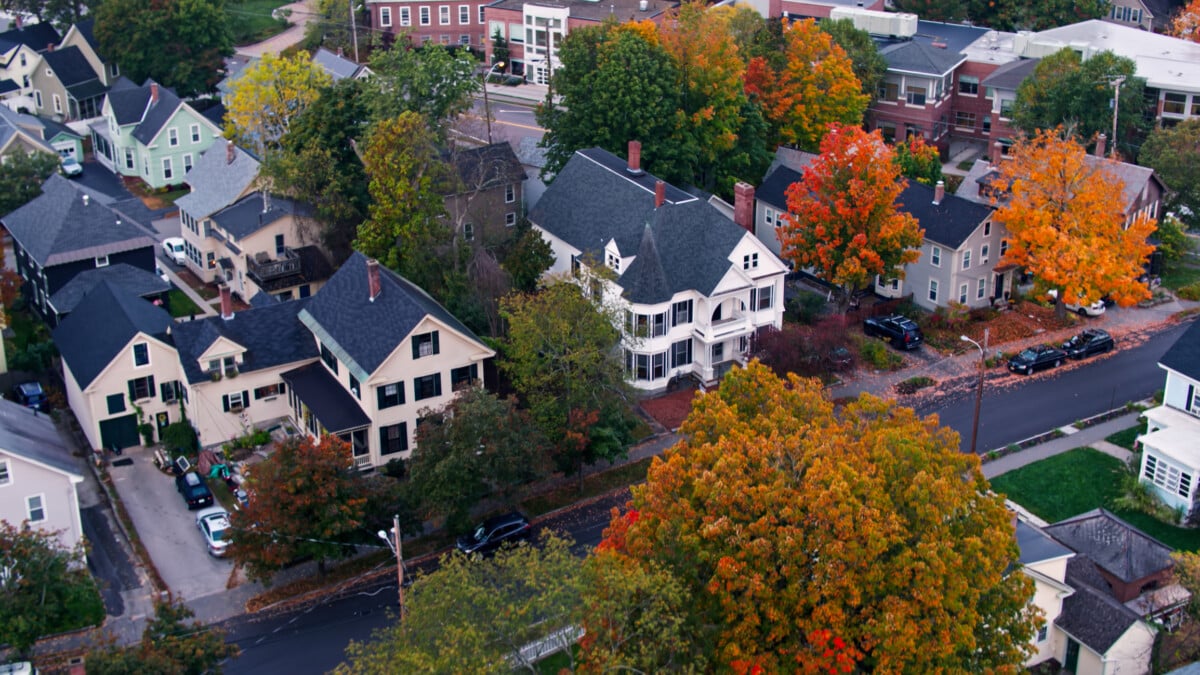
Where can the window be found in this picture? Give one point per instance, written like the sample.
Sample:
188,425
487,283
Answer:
235,401
330,360
967,259
962,294
170,391
915,95
116,403
444,16
1003,247
933,290
37,98
468,232
1006,107
424,16
280,247
966,120
982,289
102,261
141,354
769,216
5,477
172,137
405,16
128,158
464,39
510,194
390,395
481,20
760,298
57,103
141,387
427,387
681,353
659,325
935,256
1167,476
1174,103
1041,634
168,168
681,313
195,132
1195,105
425,344
658,366
385,17
889,91
187,163
464,15
355,387
510,218
461,378
987,124
23,64
968,85
637,365
983,254
987,231
718,353
36,506
750,262
393,439
146,167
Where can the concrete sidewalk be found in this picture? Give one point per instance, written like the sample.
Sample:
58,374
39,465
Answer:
1092,436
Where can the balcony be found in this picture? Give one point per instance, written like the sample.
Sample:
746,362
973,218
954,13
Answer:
738,324
263,269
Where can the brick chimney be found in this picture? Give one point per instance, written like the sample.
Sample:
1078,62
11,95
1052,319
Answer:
939,193
997,153
373,286
1101,143
226,303
17,22
635,158
153,92
660,194
743,206
49,46
230,155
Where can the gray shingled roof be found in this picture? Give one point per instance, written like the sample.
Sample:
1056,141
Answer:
13,123
101,326
1037,546
246,216
487,166
1133,177
773,190
531,153
24,433
956,36
272,335
1091,614
128,101
338,67
336,409
129,279
1010,75
71,67
588,10
1184,356
58,227
917,57
1119,548
36,36
361,332
157,114
216,182
948,223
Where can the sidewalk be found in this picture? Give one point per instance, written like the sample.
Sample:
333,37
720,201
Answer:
1092,436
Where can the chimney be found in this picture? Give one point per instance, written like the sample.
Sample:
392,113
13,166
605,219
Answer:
939,193
226,303
49,46
86,199
660,194
373,287
743,206
230,155
997,153
1101,141
635,158
17,21
153,92
266,200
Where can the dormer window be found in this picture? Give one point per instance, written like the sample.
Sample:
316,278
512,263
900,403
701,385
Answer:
614,262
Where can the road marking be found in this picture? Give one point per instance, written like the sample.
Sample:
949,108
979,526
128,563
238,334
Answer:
511,124
521,110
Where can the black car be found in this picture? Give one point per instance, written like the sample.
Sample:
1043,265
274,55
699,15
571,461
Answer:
494,532
194,490
1031,360
30,395
1090,341
901,331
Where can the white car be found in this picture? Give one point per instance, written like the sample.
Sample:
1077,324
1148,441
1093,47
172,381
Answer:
173,247
214,525
71,167
1095,309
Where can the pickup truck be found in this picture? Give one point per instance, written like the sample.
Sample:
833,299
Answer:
901,331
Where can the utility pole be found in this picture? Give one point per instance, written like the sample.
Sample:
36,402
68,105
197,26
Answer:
393,542
354,31
1116,108
979,390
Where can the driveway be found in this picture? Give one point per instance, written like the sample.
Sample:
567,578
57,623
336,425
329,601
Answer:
100,179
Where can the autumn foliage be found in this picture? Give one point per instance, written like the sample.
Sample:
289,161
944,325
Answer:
813,541
1186,23
842,219
1064,215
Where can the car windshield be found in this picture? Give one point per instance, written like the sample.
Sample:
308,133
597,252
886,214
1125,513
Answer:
479,534
218,527
1027,355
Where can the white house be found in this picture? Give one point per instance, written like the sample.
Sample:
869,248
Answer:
1171,444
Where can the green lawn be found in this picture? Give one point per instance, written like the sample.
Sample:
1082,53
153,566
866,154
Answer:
250,20
173,195
1078,481
181,304
1126,437
1179,273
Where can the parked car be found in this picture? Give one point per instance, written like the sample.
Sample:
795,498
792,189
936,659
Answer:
1093,309
901,331
839,359
1031,360
71,167
1090,341
30,395
510,528
194,490
213,523
173,247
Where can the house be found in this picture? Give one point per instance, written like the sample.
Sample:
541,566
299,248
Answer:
1151,15
65,140
66,87
1044,560
81,35
770,199
20,48
129,279
1000,87
360,359
120,368
694,286
21,133
69,229
1170,454
486,198
37,475
235,67
220,177
338,66
150,133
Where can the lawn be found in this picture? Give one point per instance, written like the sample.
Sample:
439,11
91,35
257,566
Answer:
1078,481
181,304
1179,273
250,20
1126,437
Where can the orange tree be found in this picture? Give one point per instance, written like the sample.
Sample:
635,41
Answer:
810,541
1186,23
842,220
1065,224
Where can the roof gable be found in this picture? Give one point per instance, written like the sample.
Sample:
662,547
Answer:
70,66
773,190
1117,547
27,435
949,222
36,36
1010,75
1091,614
221,175
1183,357
127,278
272,336
102,326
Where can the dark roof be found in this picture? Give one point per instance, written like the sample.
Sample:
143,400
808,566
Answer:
338,66
86,29
101,326
36,36
8,85
361,332
774,187
1037,546
1011,75
334,407
58,227
86,90
948,223
215,114
272,335
129,279
594,200
1117,547
487,167
57,128
1184,356
1091,614
646,280
621,10
246,216
158,114
132,105
914,56
24,433
264,299
71,67
955,36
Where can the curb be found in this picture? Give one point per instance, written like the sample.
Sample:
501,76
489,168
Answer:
1060,432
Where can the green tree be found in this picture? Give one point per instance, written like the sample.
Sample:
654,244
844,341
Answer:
918,160
1174,153
472,615
21,178
500,50
434,82
44,588
1066,91
527,257
170,645
268,97
306,501
181,44
868,65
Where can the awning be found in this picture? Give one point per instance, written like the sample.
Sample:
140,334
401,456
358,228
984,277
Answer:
335,408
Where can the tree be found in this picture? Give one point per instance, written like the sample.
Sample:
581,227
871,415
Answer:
180,44
563,356
1186,24
305,501
527,257
169,646
815,87
479,446
500,50
869,66
919,161
842,219
433,81
1066,91
268,96
21,178
472,615
1065,223
44,588
811,541
1174,153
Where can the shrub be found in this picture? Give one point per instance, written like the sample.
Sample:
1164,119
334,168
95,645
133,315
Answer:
805,307
1189,292
876,354
1139,496
915,384
955,316
181,437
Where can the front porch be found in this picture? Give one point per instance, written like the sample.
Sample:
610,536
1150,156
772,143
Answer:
320,405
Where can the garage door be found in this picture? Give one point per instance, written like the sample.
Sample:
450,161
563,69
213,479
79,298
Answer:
120,432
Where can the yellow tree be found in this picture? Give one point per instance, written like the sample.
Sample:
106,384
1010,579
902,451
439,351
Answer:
1186,23
815,541
1064,215
268,96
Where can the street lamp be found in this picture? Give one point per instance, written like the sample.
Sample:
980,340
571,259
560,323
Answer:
979,392
399,553
1116,84
487,109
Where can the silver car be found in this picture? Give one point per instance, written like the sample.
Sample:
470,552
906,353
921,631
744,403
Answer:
214,525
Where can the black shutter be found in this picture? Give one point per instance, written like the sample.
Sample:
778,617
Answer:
379,397
225,402
282,388
437,382
416,345
435,343
132,392
166,388
245,399
1187,405
383,447
150,388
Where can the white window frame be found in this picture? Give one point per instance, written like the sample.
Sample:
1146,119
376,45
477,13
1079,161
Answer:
101,261
510,193
935,256
933,290
482,20
385,17
750,261
168,167
963,291
444,15
172,137
194,130
130,161
187,163
464,15
966,263
57,103
981,291
41,506
1167,475
424,15
240,403
37,98
405,16
984,252
510,218
133,355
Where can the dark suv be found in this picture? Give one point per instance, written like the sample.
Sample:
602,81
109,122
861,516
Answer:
901,331
194,490
1090,341
494,532
1031,360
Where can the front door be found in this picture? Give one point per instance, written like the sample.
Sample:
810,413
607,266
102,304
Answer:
998,287
1072,661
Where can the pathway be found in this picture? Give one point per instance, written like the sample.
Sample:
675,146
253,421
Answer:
303,13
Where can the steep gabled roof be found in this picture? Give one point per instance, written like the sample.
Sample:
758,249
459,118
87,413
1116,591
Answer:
136,105
36,36
272,335
773,190
26,434
28,126
126,278
645,281
102,325
1184,356
1091,614
949,222
71,67
157,114
487,166
247,216
1117,547
217,182
338,66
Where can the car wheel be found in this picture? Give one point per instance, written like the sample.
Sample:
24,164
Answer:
1057,362
1082,311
